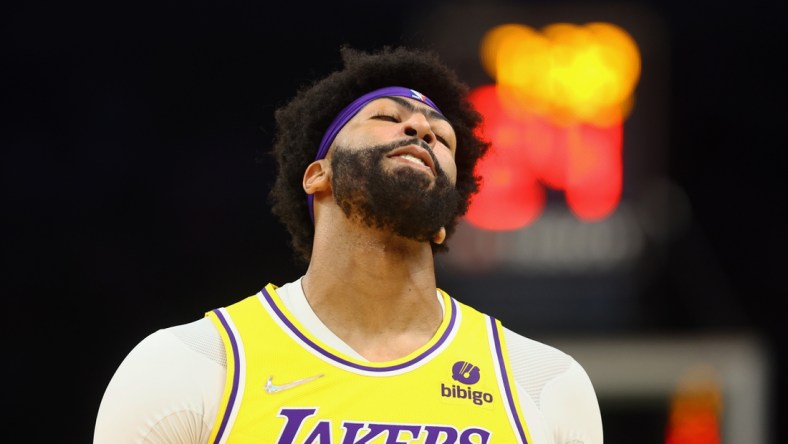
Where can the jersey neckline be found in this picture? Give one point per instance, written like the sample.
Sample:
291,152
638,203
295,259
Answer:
442,337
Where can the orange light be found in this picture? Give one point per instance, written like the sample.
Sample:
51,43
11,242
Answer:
695,410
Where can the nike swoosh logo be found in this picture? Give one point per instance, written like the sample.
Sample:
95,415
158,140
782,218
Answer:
270,387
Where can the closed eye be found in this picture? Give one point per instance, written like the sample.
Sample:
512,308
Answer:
385,117
390,118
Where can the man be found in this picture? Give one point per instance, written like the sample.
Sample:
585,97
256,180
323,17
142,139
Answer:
376,166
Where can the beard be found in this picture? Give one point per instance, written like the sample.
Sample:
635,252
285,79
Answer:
403,200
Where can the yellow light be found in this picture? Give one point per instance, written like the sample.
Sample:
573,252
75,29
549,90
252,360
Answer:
493,42
571,73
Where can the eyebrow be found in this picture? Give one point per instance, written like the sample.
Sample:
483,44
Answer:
427,111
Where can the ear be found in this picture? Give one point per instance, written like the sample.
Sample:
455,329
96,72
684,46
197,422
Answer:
440,236
316,177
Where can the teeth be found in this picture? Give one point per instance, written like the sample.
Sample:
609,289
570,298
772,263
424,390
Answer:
413,159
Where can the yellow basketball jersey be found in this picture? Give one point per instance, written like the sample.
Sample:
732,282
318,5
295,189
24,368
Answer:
285,386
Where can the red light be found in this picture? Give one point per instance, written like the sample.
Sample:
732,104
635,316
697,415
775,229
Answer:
695,428
510,196
529,152
595,176
546,150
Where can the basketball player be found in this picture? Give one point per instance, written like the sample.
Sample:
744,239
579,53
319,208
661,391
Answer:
376,166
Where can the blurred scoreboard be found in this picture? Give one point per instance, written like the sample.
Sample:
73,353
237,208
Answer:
575,209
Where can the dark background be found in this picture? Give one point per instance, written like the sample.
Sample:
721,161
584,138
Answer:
135,172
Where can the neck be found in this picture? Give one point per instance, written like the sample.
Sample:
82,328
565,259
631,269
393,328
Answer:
375,291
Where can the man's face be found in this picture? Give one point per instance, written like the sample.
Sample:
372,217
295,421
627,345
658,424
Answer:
393,168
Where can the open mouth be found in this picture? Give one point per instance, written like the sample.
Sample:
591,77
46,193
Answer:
416,156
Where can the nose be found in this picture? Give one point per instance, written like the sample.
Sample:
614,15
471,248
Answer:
418,126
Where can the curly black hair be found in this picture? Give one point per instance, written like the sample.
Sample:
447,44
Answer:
302,122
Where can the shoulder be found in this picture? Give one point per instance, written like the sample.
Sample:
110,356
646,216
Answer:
535,364
191,343
169,383
559,387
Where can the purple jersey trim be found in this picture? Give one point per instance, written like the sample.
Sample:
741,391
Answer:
343,361
236,377
505,378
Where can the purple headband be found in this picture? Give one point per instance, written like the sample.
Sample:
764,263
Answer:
351,110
